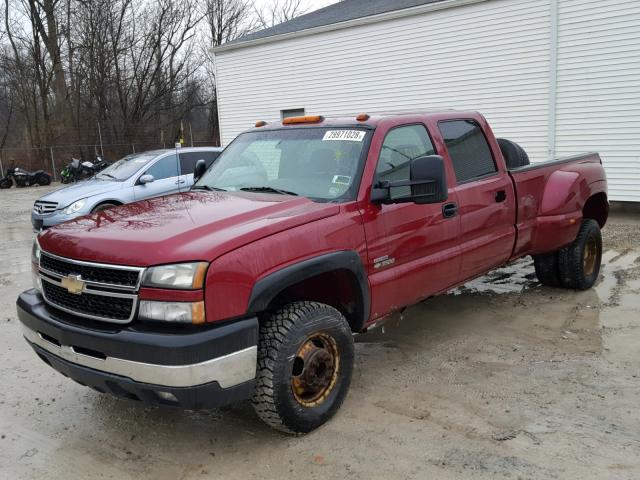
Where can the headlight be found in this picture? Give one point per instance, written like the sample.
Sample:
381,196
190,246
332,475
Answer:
180,312
183,276
75,207
35,252
35,264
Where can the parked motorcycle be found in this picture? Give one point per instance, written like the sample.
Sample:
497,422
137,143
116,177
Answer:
24,178
77,170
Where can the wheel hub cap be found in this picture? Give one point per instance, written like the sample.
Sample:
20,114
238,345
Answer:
315,370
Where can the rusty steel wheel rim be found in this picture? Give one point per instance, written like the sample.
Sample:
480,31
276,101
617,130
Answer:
315,370
590,256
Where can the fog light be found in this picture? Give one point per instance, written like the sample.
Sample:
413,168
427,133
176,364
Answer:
176,312
167,396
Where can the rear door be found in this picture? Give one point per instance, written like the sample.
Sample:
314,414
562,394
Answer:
165,179
486,198
188,162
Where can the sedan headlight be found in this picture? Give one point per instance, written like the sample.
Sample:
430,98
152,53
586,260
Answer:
75,207
182,276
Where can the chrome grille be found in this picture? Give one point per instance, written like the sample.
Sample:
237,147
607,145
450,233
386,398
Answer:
91,290
43,208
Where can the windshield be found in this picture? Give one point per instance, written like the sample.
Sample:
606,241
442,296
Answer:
318,163
126,167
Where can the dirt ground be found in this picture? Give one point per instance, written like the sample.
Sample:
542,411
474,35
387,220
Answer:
500,379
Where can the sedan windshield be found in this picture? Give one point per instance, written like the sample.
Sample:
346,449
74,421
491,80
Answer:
318,163
126,167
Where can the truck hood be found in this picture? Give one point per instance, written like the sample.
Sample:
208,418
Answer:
193,226
67,195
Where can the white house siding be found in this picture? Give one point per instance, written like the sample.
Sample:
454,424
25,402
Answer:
493,56
599,87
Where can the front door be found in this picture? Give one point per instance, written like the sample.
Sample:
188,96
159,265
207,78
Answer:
413,249
165,179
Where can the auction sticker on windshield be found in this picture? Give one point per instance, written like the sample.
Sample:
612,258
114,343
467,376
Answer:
344,135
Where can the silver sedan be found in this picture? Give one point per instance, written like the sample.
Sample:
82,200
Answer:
135,177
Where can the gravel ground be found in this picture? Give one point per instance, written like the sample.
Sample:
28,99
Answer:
500,379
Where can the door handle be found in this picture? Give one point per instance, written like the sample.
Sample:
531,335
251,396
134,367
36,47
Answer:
449,210
501,196
180,182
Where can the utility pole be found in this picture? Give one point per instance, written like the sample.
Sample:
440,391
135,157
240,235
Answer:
53,165
191,133
100,135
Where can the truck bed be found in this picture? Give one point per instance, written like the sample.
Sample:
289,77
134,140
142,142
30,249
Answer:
551,197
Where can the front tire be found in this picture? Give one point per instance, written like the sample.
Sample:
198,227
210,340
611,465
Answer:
103,206
579,263
5,183
305,363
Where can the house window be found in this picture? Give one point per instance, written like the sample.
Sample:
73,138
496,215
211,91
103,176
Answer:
294,112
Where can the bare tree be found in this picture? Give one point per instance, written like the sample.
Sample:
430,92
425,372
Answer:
133,70
279,11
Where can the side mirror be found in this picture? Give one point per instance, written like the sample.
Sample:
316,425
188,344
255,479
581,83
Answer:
427,184
199,171
146,178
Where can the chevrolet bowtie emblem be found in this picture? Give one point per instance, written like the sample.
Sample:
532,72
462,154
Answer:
73,284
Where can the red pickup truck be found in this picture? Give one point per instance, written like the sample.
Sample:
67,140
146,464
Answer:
302,234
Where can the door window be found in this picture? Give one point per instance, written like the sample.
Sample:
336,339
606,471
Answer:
400,147
165,168
188,160
468,149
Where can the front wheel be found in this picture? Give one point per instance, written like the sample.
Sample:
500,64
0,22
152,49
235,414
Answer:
6,183
305,363
579,263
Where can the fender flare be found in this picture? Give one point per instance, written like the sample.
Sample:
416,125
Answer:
267,289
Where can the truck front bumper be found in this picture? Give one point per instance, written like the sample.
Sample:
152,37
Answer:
204,368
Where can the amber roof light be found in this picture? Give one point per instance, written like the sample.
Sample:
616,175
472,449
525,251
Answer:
307,119
261,123
363,117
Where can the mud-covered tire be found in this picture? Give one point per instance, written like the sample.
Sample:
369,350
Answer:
282,336
547,269
579,263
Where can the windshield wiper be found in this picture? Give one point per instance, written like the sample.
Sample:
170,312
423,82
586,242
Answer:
208,188
279,191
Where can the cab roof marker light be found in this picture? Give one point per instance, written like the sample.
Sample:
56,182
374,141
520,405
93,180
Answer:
261,124
363,117
300,120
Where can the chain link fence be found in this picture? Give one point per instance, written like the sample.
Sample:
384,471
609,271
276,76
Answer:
54,158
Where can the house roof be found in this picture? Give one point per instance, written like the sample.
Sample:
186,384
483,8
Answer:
337,13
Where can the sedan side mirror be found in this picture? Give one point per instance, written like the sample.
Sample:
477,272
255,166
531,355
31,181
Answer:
146,178
427,184
199,171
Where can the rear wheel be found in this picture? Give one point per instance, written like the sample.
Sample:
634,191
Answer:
547,269
579,263
305,362
6,183
44,180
